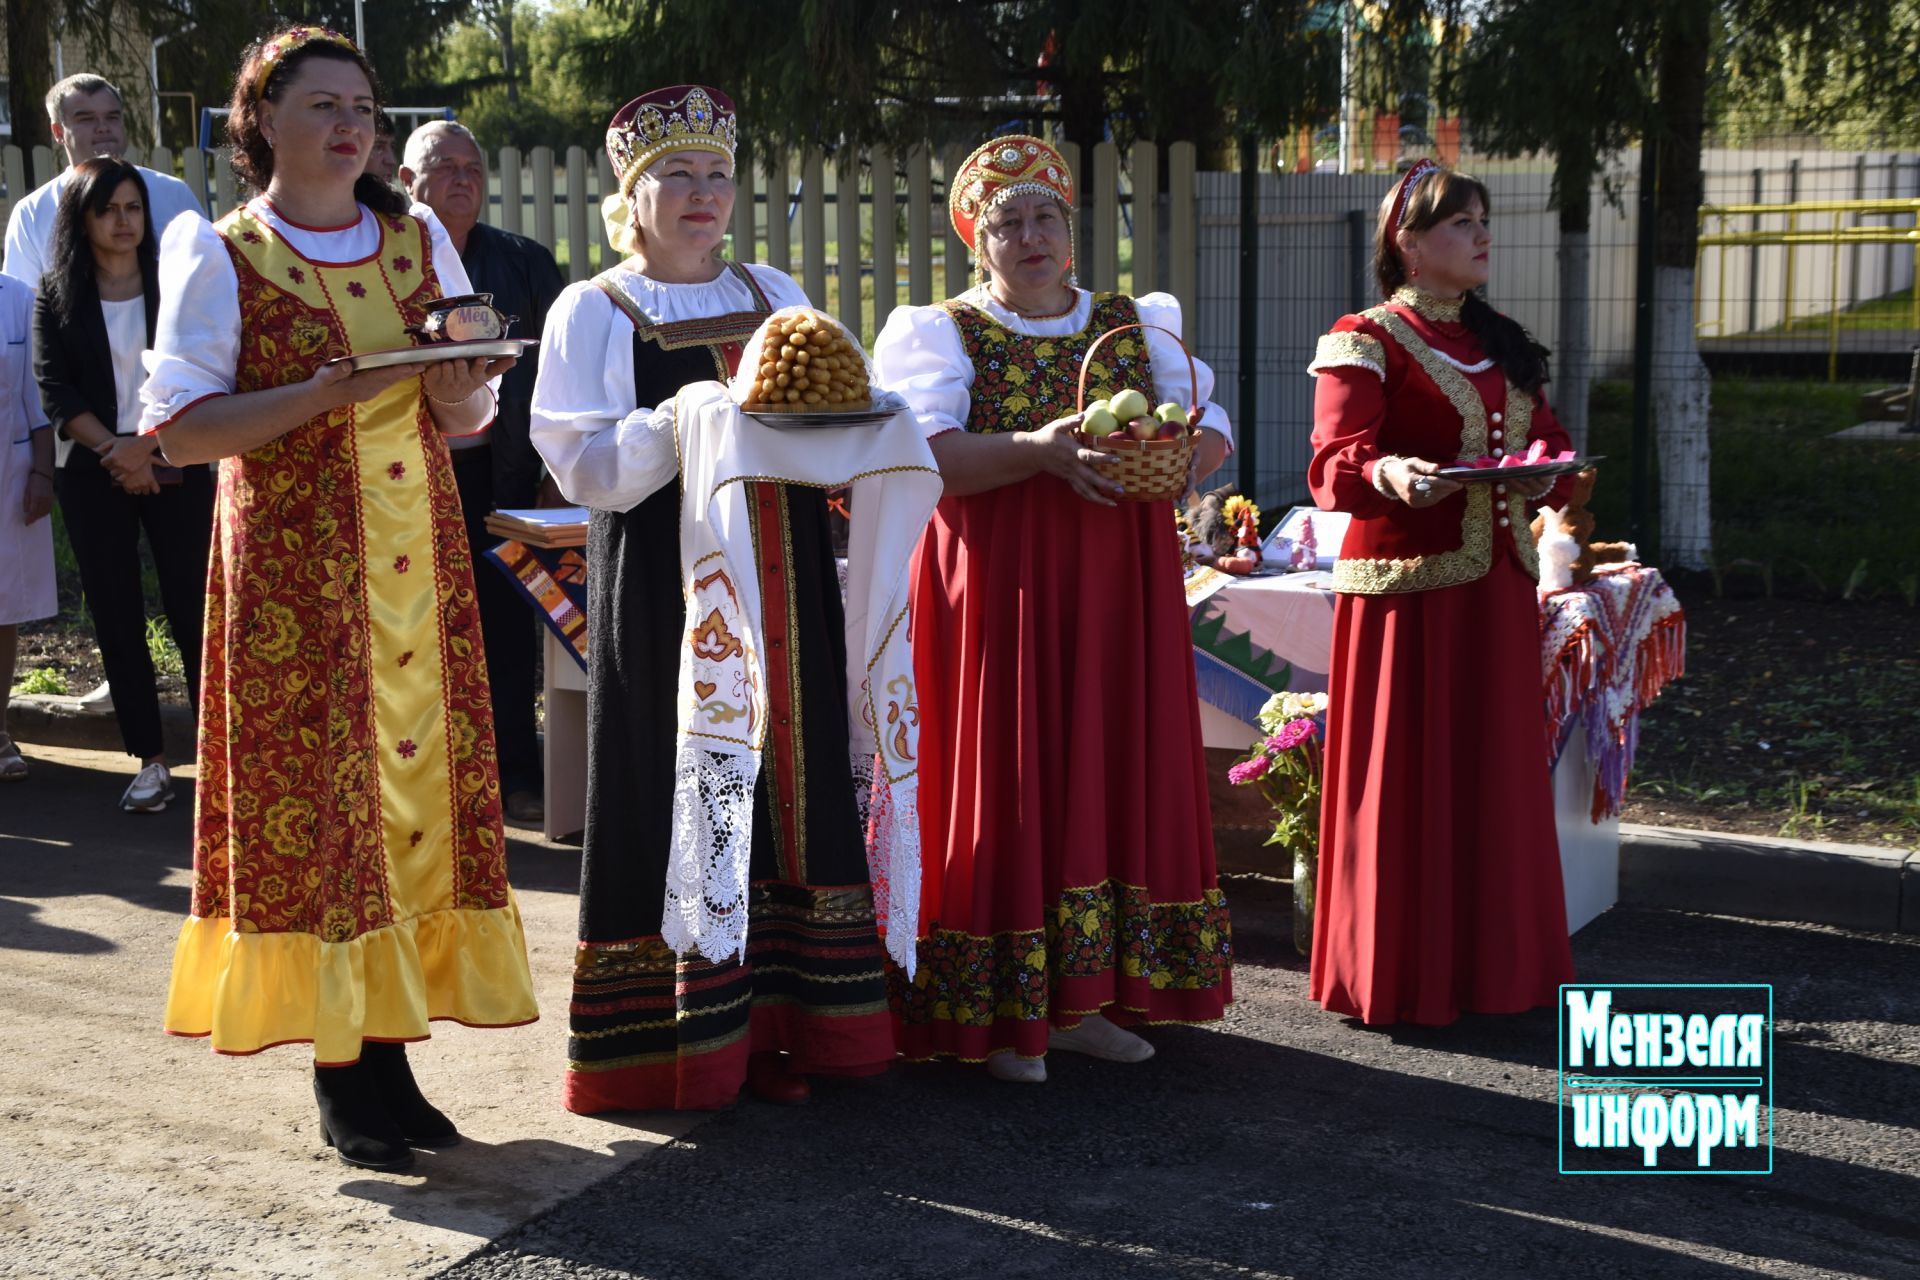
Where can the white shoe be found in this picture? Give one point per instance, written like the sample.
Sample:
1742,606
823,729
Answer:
150,791
97,701
1098,1038
1015,1069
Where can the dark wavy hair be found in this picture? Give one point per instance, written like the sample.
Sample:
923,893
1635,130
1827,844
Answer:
70,264
252,158
1433,200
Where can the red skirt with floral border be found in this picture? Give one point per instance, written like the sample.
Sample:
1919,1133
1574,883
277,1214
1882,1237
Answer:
1063,795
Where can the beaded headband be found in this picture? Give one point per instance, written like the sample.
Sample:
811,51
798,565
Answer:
293,38
1421,168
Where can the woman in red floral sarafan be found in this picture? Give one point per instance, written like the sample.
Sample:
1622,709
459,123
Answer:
1439,886
350,878
1069,889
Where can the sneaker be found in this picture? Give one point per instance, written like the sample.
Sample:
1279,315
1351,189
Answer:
150,791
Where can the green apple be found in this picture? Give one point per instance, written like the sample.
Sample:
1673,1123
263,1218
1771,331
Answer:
1170,412
1129,404
1099,420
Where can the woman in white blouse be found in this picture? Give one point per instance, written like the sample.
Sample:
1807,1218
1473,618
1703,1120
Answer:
1069,887
651,1029
93,319
349,861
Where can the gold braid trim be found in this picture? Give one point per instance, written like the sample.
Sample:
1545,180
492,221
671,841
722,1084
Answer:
1474,556
1356,350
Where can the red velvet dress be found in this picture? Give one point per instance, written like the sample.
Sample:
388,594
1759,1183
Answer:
1439,878
1063,796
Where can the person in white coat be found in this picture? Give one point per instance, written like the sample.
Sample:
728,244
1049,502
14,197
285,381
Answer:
26,496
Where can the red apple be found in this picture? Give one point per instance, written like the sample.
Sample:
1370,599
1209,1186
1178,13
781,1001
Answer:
1143,428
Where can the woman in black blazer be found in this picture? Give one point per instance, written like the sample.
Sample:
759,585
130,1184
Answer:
94,316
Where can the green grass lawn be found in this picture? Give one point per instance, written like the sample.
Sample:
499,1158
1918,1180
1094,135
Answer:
1793,511
1894,311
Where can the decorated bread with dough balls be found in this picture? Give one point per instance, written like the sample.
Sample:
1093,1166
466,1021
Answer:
809,365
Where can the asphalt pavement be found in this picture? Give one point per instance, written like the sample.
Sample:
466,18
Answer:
1284,1141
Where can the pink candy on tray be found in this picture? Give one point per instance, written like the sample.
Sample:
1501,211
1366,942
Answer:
1535,455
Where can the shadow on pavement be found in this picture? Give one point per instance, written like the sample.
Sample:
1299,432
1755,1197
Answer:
21,931
1285,1142
476,1186
66,835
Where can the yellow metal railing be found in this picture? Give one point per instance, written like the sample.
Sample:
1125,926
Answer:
1835,235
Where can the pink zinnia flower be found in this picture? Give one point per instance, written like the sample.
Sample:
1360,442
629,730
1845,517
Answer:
1291,735
1247,770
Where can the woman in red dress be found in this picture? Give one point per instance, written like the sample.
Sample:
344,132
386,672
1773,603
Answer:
1439,888
1069,888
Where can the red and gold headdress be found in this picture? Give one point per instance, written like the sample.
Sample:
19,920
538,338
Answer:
1016,165
681,117
275,51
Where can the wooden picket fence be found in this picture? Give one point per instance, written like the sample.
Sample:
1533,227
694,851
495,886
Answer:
863,232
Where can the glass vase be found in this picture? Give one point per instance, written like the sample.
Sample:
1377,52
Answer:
1305,864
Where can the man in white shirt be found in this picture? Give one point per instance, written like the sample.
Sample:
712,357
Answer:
88,120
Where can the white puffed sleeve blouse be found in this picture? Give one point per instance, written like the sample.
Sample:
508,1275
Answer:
603,450
919,354
196,345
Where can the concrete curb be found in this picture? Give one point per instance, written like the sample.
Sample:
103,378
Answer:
49,721
1853,886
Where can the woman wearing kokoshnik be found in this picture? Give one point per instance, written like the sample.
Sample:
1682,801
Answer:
1439,885
350,878
678,1002
1069,888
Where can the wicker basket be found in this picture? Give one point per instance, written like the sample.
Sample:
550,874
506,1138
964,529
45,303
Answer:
1147,470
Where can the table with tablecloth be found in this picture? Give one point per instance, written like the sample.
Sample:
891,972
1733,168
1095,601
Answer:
1608,646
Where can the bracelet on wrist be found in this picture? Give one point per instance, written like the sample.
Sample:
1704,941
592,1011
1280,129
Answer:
451,403
1380,477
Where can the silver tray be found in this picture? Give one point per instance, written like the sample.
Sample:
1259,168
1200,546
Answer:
1520,473
491,348
885,405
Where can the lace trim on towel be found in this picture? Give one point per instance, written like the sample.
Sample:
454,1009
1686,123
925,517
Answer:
890,818
707,875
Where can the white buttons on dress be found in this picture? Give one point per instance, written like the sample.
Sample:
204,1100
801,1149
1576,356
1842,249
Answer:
1499,488
1498,435
1504,522
1497,452
1496,417
1500,505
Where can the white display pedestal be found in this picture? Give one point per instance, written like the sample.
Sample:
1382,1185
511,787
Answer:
1589,851
565,688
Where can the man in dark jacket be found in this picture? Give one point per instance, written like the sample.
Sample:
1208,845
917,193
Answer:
443,169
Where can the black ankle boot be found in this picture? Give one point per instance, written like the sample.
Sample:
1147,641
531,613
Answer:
354,1123
391,1080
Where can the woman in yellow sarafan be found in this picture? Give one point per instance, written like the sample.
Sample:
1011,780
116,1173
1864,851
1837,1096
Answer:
349,865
